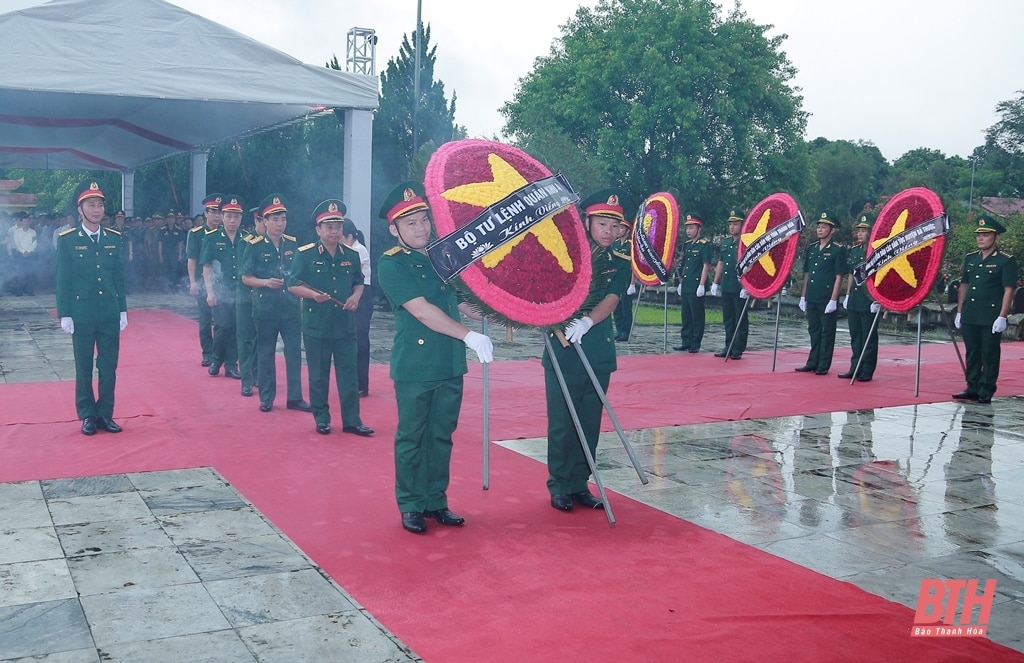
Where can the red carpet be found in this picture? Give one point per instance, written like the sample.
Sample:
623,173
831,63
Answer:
520,581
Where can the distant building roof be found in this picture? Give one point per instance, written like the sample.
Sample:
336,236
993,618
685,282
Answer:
1003,206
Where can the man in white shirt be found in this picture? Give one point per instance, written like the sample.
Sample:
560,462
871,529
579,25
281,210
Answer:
23,249
351,235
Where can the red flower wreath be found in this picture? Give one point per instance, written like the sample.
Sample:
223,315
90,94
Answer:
540,278
770,212
659,221
909,277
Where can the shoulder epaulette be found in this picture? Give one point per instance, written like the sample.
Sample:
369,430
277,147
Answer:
254,239
307,246
111,230
702,241
288,237
621,255
210,232
973,252
392,251
196,229
1008,255
65,232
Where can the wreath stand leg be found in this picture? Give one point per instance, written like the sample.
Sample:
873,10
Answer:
487,418
860,359
778,318
952,336
739,323
636,309
917,371
579,429
665,286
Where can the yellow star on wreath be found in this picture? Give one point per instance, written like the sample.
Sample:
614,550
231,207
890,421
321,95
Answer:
749,238
900,264
504,180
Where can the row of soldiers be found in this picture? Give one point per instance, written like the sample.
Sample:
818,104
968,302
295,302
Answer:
253,288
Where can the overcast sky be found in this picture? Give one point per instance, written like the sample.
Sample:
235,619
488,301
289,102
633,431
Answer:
899,73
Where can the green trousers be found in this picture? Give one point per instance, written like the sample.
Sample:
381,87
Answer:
860,323
568,470
225,342
733,315
245,331
691,333
983,353
320,353
428,413
102,341
821,327
290,331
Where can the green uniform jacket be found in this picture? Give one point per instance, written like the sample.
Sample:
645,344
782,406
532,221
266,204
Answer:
730,277
419,354
695,255
986,280
822,264
337,276
860,300
612,273
90,276
264,261
194,242
218,248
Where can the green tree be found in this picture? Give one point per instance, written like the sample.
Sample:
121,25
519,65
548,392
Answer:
847,176
1003,153
669,95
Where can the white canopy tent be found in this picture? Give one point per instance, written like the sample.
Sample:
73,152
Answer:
117,84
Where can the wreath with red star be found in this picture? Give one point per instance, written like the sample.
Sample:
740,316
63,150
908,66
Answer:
767,276
658,220
905,281
540,278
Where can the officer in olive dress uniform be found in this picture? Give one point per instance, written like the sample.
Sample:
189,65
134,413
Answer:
988,279
428,360
219,260
860,310
623,316
568,470
327,276
694,266
245,325
824,267
196,284
275,310
91,306
734,295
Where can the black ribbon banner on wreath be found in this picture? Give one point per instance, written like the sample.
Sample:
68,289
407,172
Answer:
501,222
768,241
643,244
900,244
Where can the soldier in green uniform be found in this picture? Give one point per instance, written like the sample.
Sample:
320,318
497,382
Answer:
219,260
694,265
428,360
568,470
327,276
727,285
824,268
623,317
196,284
983,302
860,310
275,310
91,306
245,325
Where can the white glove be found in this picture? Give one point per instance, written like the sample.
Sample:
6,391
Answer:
631,290
481,345
803,304
700,290
577,328
999,325
831,306
716,290
679,290
124,320
846,302
875,306
68,325
956,321
744,294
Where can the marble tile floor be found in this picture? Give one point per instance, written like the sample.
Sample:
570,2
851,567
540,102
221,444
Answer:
880,498
162,567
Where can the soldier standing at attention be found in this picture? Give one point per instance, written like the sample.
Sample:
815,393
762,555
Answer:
275,311
91,306
568,470
327,276
824,268
245,325
428,360
693,273
727,285
983,302
196,283
860,311
219,259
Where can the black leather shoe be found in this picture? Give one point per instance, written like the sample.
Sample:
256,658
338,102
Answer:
445,517
966,396
103,423
247,391
720,355
984,400
232,372
266,406
206,361
864,378
323,429
214,368
621,339
585,499
845,376
680,348
821,371
562,502
413,522
363,393
362,430
804,369
693,351
299,405
89,426
735,356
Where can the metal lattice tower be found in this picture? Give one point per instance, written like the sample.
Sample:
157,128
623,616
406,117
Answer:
361,52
